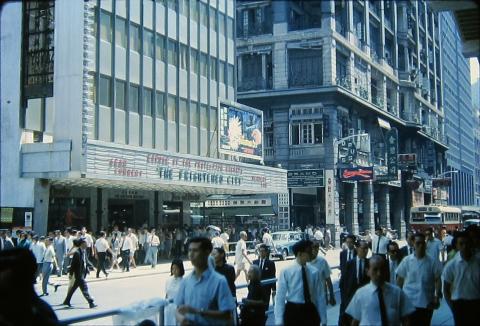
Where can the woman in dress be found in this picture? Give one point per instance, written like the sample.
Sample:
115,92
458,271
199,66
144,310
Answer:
176,271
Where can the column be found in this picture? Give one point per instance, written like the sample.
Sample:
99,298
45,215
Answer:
398,212
328,14
40,206
351,207
105,196
329,58
186,212
383,207
367,28
350,36
368,206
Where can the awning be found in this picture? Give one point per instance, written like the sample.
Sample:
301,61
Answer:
384,123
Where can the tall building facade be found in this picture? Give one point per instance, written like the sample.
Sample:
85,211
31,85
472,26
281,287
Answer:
475,82
330,73
110,113
459,115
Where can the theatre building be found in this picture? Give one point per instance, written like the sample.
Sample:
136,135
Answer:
110,114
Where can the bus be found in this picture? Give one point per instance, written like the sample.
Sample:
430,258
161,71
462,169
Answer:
436,217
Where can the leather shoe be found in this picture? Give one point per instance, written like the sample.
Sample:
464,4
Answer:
56,287
92,305
67,304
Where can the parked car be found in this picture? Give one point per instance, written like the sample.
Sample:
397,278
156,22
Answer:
284,241
473,221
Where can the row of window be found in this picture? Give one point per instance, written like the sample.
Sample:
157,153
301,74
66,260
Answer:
162,106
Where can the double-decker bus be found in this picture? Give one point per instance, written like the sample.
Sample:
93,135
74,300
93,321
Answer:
437,217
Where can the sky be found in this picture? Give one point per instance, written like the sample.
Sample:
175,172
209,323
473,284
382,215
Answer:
474,70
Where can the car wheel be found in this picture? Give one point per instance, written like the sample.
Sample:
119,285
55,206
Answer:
284,254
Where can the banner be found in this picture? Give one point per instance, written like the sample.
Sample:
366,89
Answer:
240,130
356,174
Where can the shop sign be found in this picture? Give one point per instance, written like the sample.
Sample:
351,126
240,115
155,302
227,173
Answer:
305,178
407,161
392,154
329,197
129,194
357,174
347,151
28,219
240,130
121,162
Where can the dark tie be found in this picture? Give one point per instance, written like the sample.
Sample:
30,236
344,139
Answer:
360,271
383,310
410,249
378,244
261,265
306,290
348,257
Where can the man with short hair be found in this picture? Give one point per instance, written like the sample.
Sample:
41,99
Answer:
434,246
241,255
69,246
419,276
60,248
349,253
153,242
267,271
325,284
409,248
380,242
101,249
38,249
5,241
299,293
394,260
217,241
461,281
369,304
203,297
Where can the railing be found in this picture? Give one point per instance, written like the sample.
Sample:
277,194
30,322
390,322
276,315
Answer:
255,83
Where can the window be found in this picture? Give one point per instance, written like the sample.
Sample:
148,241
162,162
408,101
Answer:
203,14
120,94
305,67
105,91
172,108
182,112
203,117
194,10
306,133
213,68
193,60
172,4
221,23
172,52
134,38
230,75
147,101
133,98
183,7
203,64
213,118
221,72
193,114
105,27
121,32
148,43
230,28
160,48
213,19
160,107
183,57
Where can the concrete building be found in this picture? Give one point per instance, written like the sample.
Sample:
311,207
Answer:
110,113
331,70
459,116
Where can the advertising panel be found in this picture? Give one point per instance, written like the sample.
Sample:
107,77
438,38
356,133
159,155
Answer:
305,178
357,174
240,130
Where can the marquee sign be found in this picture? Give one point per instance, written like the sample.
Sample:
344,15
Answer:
128,163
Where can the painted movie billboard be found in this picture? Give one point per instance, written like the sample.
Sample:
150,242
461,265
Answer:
240,130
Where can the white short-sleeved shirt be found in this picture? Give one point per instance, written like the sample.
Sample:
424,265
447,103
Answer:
382,247
464,277
38,250
434,247
217,242
419,278
101,245
49,255
88,240
268,240
324,270
239,249
365,306
318,235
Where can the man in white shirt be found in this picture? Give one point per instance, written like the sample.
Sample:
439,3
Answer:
379,302
60,247
324,272
461,282
217,241
126,246
299,291
318,235
268,240
48,260
225,237
101,249
88,238
133,237
153,242
419,276
434,246
380,242
241,255
38,249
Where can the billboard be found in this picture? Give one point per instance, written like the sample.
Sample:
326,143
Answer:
240,130
305,178
357,174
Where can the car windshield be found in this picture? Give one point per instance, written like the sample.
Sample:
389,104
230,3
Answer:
279,236
471,222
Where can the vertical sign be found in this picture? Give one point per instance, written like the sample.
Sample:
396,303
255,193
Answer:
392,153
28,219
329,197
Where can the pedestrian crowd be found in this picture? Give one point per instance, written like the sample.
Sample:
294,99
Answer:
380,283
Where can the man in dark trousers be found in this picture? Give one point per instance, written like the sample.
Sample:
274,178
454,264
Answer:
354,277
267,271
349,253
78,271
409,248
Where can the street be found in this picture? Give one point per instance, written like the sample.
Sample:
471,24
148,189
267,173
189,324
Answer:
143,283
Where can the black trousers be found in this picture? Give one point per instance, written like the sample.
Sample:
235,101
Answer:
78,283
126,259
465,312
301,314
421,316
101,263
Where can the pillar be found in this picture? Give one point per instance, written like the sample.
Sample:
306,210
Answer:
383,206
351,207
104,207
40,208
368,206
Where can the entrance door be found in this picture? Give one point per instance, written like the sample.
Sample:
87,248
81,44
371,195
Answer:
128,213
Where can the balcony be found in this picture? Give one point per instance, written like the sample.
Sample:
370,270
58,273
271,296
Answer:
378,101
254,83
304,22
269,153
344,82
255,29
361,91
